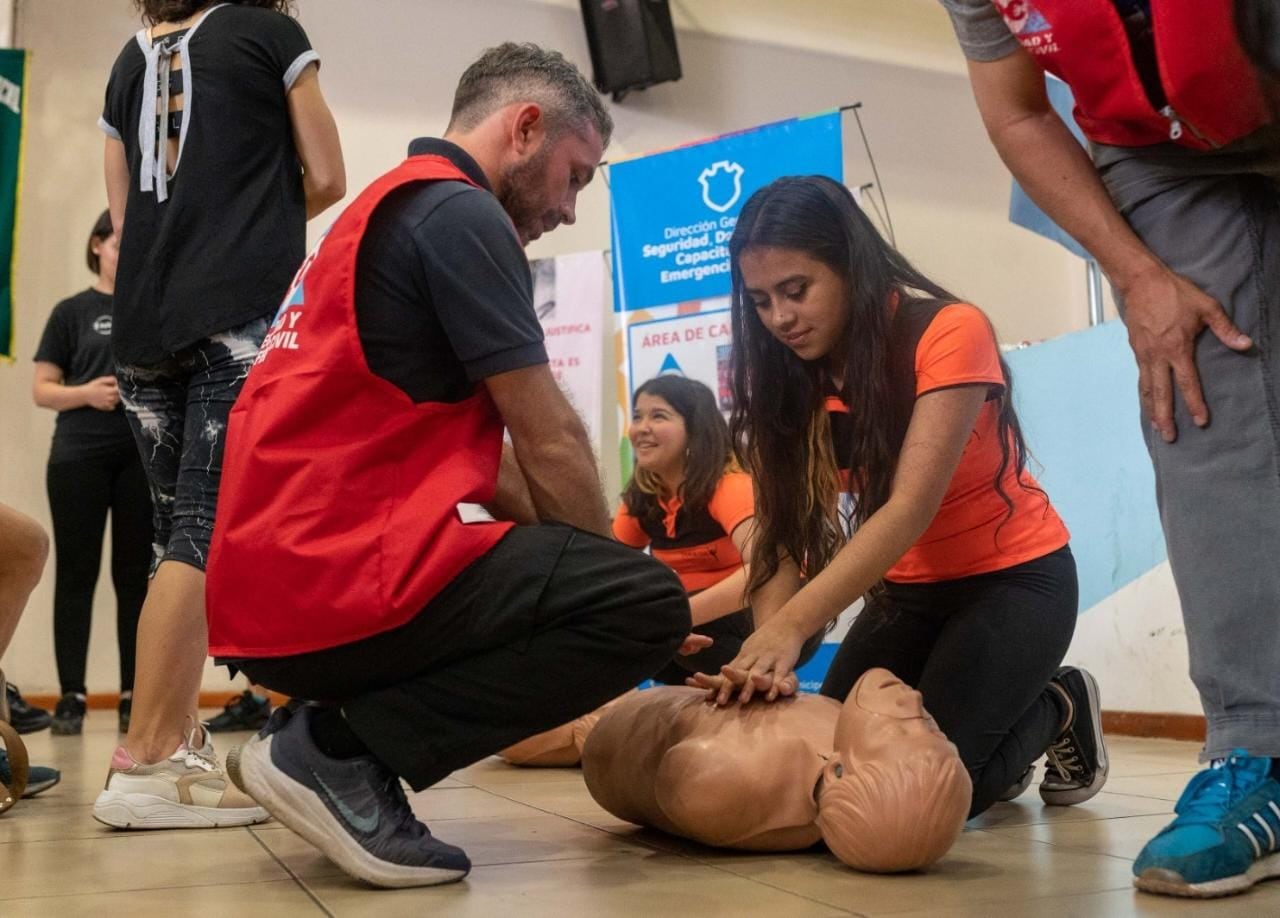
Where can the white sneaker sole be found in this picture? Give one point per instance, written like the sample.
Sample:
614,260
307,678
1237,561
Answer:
146,811
1169,883
299,808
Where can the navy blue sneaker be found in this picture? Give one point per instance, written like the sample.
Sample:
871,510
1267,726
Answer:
1225,836
354,810
39,777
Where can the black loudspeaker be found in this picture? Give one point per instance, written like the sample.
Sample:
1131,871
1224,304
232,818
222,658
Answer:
633,44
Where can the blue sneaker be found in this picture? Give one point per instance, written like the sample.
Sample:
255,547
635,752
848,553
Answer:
354,810
39,777
1225,836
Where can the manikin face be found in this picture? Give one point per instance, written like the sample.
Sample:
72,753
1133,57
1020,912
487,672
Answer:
540,192
658,435
884,718
800,300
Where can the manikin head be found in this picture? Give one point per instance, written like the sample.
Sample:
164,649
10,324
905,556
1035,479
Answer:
537,128
894,795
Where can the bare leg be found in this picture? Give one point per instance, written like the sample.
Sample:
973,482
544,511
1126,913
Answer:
172,644
24,546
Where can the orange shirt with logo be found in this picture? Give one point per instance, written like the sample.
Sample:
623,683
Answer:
698,547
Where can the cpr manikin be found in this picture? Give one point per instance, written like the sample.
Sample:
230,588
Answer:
874,778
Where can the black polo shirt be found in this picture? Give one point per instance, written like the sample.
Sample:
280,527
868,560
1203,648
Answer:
444,297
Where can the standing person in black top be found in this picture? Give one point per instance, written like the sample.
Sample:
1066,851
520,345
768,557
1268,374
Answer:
219,147
94,467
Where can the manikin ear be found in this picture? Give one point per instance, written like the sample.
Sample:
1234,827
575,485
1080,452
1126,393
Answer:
528,129
835,769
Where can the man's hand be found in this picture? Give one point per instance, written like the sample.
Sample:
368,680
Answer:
695,643
1165,313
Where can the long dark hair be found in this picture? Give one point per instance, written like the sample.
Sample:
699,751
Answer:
709,455
780,425
154,11
1258,25
101,230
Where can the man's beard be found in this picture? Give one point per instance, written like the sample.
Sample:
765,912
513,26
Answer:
520,199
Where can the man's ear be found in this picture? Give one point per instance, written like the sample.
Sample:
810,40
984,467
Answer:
528,128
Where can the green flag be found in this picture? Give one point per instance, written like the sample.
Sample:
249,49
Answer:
13,76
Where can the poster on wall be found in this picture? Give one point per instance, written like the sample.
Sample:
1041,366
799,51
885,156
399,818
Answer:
13,74
569,296
673,213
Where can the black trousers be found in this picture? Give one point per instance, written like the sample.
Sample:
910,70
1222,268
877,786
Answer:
548,625
81,492
981,650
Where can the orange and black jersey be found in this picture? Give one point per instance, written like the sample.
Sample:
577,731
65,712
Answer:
973,532
697,545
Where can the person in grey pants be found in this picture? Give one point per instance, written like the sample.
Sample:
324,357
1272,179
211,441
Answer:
1190,239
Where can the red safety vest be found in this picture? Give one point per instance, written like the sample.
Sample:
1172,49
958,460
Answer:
1212,91
337,516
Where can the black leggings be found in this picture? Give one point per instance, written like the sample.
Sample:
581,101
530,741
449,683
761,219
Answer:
728,632
80,494
981,650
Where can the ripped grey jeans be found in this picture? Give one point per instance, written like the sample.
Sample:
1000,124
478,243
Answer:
178,411
1215,219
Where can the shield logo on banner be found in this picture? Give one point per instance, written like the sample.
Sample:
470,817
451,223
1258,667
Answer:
721,185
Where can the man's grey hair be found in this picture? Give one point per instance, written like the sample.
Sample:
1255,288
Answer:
525,72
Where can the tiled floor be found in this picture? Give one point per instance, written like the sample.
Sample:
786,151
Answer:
541,846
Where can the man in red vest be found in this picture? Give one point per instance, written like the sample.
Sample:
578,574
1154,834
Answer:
1178,201
342,569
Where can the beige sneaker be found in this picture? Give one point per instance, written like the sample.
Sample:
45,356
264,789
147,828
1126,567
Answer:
188,790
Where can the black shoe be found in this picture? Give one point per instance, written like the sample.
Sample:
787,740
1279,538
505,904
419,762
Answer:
125,711
1077,766
23,717
68,716
354,810
243,712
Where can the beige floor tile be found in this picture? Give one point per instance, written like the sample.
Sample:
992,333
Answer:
1028,810
435,805
494,771
1120,903
1117,837
135,860
1135,757
486,841
42,819
1162,787
624,886
980,868
566,798
278,899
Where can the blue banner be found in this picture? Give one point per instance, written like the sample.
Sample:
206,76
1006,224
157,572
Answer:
1022,210
674,212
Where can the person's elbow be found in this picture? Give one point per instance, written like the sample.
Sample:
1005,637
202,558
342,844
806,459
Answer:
324,189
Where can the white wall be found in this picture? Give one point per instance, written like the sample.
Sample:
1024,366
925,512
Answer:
391,78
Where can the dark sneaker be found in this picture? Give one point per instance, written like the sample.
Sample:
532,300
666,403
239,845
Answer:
1019,788
1224,838
23,717
1077,765
125,712
68,716
39,777
243,712
354,810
